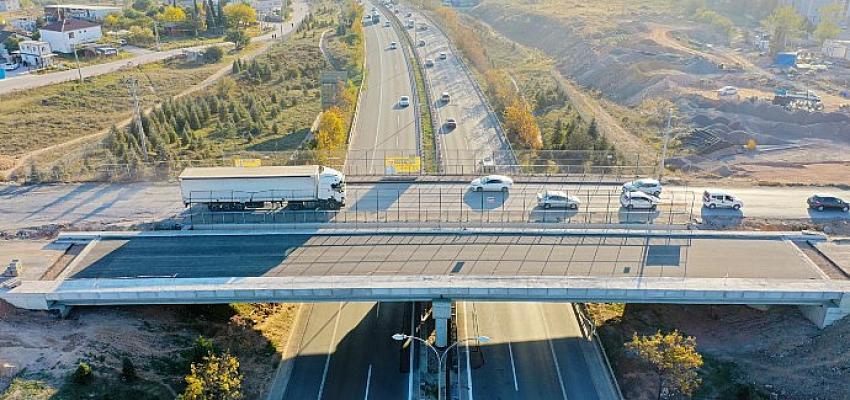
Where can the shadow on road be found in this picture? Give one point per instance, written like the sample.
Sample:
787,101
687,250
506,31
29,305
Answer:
722,218
485,201
637,216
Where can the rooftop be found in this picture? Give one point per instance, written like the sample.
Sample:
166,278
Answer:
66,25
82,7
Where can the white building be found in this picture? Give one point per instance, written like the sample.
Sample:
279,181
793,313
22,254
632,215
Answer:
25,24
811,8
59,12
67,34
10,5
836,49
36,54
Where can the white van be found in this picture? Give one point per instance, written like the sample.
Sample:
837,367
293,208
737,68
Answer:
713,198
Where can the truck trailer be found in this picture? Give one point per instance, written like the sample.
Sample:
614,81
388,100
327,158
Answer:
235,189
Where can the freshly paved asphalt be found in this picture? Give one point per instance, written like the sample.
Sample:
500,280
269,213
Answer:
443,255
23,82
537,351
347,353
383,129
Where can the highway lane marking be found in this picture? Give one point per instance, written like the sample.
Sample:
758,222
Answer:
513,366
380,100
331,350
552,350
368,381
466,345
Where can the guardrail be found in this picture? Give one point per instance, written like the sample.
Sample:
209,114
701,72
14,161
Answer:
589,331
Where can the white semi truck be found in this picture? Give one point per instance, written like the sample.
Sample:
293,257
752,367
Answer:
234,189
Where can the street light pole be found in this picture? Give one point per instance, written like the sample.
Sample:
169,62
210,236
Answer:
440,355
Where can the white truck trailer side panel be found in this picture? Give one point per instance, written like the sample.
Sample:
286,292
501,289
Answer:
244,189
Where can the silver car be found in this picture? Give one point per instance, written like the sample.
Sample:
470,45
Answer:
557,199
491,183
639,200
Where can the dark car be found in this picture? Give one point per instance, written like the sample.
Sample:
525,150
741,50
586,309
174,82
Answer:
822,202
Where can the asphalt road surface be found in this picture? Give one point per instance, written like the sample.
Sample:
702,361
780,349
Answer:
347,353
23,82
384,129
537,351
475,136
134,203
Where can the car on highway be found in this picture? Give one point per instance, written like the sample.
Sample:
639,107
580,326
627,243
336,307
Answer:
386,24
445,97
404,101
408,15
443,55
557,199
421,43
648,186
423,27
393,45
639,200
823,202
410,24
450,124
491,183
429,63
714,198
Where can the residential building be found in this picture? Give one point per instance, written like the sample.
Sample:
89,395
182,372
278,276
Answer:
4,52
60,12
839,49
25,24
36,54
811,8
67,34
10,5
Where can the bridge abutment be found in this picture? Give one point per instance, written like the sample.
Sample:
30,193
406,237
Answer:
826,315
442,312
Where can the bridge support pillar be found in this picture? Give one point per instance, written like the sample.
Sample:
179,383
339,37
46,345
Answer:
826,315
442,312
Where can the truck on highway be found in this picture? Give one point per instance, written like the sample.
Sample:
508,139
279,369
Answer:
236,189
376,18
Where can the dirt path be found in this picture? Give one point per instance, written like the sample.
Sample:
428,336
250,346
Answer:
661,35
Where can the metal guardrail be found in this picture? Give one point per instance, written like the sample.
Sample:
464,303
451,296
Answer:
589,330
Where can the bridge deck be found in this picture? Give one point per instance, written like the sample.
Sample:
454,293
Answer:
497,255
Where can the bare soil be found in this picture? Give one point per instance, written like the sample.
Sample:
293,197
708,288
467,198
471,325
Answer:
770,354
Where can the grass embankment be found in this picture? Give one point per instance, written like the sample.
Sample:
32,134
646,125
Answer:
161,343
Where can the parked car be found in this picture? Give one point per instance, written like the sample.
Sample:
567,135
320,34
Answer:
429,63
451,124
823,202
639,200
720,199
557,199
491,183
393,45
443,55
648,186
404,101
445,97
727,91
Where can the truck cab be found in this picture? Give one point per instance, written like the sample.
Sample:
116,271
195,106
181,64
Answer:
331,188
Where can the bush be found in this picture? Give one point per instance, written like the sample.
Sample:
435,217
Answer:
128,370
238,36
83,374
213,54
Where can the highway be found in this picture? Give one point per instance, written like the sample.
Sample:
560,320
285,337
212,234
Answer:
476,136
347,353
126,204
383,128
537,351
30,81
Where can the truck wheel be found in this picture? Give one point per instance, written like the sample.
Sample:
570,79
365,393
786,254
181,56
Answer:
712,206
547,206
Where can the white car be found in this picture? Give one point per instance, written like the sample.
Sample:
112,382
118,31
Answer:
393,45
648,186
445,97
491,183
727,91
386,24
429,63
556,198
720,199
443,55
404,101
639,200
451,124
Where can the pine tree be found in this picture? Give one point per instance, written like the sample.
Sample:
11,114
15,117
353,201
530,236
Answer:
592,130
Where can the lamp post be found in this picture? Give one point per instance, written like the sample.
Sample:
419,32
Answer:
440,355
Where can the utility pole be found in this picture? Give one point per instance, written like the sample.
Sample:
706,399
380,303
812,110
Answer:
664,147
137,117
77,58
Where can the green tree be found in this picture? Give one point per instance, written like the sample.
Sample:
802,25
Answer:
673,357
215,378
240,15
128,370
829,18
785,23
239,37
213,54
83,374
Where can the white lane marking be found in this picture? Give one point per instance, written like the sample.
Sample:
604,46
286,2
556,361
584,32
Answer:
368,381
380,100
466,345
513,366
331,349
378,311
552,350
410,370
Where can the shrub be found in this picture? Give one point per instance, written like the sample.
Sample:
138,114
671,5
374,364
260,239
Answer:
83,374
128,370
213,54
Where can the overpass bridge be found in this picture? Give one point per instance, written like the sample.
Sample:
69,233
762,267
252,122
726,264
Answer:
398,264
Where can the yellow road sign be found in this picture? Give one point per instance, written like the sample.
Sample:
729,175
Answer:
402,165
247,162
